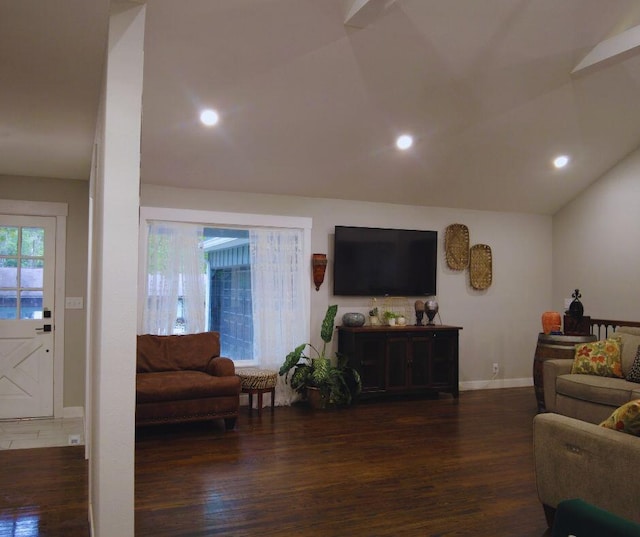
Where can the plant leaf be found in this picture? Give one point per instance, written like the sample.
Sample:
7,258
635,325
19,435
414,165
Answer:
292,359
326,332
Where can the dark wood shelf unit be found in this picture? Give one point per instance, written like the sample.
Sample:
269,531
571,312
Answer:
403,360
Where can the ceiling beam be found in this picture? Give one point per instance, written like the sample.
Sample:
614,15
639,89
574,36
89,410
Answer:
612,50
362,13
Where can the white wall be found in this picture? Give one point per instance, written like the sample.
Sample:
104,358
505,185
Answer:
499,325
596,245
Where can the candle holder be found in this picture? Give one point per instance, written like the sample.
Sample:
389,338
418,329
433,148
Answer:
319,264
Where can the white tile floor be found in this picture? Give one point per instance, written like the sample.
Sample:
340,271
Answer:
24,434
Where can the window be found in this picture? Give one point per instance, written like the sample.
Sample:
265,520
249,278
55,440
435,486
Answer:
247,275
229,291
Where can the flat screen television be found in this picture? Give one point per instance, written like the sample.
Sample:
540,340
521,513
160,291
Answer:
384,262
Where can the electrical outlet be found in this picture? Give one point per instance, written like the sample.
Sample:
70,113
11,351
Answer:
496,368
74,439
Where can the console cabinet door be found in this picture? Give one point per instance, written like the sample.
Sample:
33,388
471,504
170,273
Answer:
419,361
397,364
366,353
444,361
370,349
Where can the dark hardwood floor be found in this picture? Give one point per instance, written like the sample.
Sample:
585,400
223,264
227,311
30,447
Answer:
399,468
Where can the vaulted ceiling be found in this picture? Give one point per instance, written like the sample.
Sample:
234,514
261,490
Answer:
311,106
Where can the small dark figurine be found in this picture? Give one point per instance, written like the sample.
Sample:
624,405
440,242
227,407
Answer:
576,309
419,306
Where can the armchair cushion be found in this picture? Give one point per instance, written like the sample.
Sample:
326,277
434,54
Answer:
173,386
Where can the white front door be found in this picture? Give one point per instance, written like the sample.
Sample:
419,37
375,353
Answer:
27,279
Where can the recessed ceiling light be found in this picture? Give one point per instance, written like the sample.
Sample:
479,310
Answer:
561,161
404,142
209,117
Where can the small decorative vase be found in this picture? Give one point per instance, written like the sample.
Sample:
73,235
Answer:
401,321
353,319
551,322
392,321
374,320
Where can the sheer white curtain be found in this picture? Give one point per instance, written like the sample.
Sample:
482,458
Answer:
175,268
278,279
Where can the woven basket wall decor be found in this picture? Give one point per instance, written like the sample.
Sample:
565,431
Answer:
456,246
480,266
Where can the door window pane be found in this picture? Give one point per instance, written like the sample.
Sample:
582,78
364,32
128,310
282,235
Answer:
31,273
8,304
31,305
8,273
32,241
8,240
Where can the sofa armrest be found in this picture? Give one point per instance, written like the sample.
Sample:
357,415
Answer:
576,459
551,370
221,367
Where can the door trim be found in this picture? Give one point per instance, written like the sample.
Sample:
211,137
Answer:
60,212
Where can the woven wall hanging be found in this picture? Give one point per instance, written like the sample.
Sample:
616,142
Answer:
480,266
456,246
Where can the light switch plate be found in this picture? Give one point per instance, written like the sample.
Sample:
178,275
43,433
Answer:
74,303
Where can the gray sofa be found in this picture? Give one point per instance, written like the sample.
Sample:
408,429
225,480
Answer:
589,397
574,456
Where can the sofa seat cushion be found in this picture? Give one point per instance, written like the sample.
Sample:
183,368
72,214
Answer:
602,390
178,385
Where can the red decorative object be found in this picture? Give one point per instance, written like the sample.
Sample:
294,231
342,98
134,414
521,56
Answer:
319,264
551,322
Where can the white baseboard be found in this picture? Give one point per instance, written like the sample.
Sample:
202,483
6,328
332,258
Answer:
73,412
495,384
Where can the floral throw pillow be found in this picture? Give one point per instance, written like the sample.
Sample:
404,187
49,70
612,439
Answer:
625,419
634,372
598,358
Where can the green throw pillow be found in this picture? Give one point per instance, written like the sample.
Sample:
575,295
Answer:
598,358
625,418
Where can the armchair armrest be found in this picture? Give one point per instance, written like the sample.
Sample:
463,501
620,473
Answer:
576,459
551,370
221,367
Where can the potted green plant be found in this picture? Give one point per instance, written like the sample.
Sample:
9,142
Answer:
374,320
334,385
390,317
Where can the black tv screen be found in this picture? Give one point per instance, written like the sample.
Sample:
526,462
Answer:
384,262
